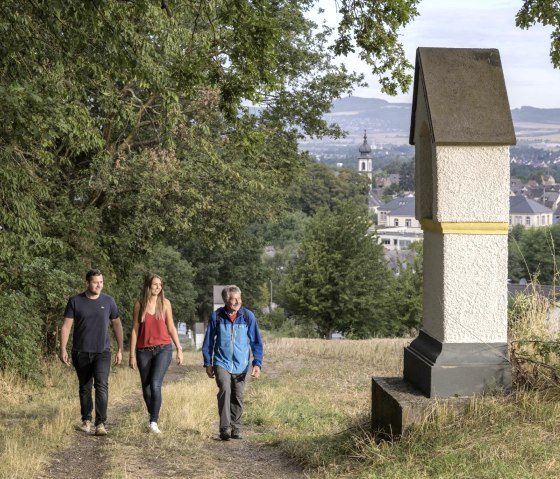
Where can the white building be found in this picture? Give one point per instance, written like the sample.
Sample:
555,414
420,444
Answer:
398,212
397,226
529,213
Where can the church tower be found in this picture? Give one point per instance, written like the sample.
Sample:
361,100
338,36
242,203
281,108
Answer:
365,160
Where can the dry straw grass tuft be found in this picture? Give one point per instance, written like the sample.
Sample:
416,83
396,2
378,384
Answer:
534,341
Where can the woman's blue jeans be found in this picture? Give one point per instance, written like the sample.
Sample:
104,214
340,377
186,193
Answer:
152,364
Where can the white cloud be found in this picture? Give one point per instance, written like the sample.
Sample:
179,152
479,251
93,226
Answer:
529,75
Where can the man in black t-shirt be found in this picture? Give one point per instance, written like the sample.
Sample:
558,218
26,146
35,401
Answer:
91,312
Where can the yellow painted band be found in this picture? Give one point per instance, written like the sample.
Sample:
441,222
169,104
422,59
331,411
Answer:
464,228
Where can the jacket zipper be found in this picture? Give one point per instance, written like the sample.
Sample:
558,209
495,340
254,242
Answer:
233,334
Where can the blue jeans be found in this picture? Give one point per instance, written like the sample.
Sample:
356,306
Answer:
152,364
93,368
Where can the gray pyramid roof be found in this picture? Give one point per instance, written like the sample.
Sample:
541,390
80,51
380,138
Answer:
521,205
465,94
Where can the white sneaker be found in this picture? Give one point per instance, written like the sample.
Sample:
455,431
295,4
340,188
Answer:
154,428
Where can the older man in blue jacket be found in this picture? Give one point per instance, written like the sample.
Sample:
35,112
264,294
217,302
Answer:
231,336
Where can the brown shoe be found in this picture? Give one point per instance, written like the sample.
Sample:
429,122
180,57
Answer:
100,430
85,427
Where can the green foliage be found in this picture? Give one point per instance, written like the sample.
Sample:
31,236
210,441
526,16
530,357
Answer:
406,314
289,228
279,325
324,188
407,179
391,191
178,278
547,13
534,251
19,330
373,26
240,264
340,280
122,128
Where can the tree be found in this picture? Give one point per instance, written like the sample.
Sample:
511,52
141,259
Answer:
534,252
340,280
122,128
240,263
545,12
322,187
406,178
407,300
374,26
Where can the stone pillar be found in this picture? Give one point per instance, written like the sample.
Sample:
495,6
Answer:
461,128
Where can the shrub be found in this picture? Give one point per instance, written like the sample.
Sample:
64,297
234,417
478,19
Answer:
19,331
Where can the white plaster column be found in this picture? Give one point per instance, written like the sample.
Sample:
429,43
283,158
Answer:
462,129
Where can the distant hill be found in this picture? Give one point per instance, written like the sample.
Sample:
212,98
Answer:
387,126
389,123
530,114
380,115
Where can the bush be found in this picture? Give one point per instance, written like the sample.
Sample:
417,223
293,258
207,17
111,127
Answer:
19,333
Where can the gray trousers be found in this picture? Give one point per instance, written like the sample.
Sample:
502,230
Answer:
230,398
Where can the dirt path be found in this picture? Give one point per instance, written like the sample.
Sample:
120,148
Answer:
87,455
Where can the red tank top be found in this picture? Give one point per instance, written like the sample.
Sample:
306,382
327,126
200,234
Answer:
152,332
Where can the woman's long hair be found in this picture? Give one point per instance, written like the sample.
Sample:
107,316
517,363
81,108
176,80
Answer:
146,295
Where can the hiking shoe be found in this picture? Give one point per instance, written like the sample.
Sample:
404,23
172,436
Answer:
100,430
85,427
154,428
236,434
225,435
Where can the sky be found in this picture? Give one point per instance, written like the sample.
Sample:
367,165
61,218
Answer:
530,78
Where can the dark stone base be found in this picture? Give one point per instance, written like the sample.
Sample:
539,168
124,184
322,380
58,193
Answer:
456,369
397,405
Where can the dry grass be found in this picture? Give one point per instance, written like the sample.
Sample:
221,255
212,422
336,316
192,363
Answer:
188,415
318,413
534,345
35,420
312,402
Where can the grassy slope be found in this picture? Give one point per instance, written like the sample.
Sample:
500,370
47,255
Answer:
313,402
318,412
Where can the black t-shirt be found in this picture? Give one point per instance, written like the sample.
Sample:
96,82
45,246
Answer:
91,321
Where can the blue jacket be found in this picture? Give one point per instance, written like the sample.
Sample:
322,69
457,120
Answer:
229,345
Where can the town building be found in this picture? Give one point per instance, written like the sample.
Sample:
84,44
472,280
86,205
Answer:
527,212
397,226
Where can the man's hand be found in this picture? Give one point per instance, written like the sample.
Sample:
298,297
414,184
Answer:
118,357
256,372
210,371
64,357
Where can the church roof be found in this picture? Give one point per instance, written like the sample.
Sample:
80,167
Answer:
365,149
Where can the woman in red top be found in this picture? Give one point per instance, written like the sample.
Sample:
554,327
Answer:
153,331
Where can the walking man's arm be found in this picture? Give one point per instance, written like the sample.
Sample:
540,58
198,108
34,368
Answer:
118,330
64,335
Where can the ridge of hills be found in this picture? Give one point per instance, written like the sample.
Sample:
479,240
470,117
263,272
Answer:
389,124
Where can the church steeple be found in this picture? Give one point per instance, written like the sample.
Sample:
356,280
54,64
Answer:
365,160
365,149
